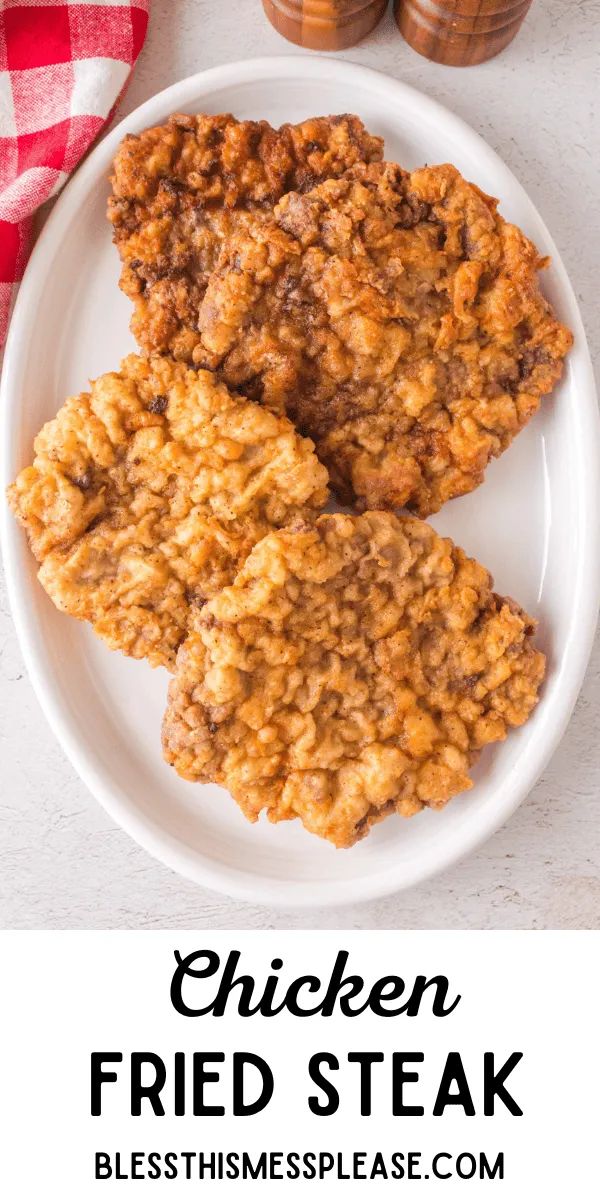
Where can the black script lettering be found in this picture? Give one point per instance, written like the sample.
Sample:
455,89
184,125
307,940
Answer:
441,985
184,968
346,992
353,986
389,988
291,1001
228,982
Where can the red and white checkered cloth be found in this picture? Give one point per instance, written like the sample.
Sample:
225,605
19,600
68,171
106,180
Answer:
63,66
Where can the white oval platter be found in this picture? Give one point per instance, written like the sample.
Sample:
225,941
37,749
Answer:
533,523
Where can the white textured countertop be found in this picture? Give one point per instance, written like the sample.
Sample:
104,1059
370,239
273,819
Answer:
63,864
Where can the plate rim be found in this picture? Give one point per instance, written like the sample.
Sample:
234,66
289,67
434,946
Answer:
237,883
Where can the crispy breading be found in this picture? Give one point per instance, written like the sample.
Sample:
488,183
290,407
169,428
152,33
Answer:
355,668
180,188
146,494
398,319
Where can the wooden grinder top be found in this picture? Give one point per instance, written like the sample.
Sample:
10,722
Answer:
460,33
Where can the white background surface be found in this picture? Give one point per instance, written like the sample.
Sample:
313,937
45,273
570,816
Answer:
62,864
118,1001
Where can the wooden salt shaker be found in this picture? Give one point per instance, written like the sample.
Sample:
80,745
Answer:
459,33
324,24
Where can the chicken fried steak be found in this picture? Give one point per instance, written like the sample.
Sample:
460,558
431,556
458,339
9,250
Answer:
355,668
398,319
147,493
179,189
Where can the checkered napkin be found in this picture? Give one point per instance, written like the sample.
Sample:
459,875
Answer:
62,69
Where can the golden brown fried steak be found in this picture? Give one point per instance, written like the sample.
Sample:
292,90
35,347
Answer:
147,493
353,669
180,188
398,320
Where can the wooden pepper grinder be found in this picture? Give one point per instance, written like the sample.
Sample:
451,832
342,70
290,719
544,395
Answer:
460,33
324,24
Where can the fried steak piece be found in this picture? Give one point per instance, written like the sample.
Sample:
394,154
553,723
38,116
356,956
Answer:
354,669
179,189
147,493
398,319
